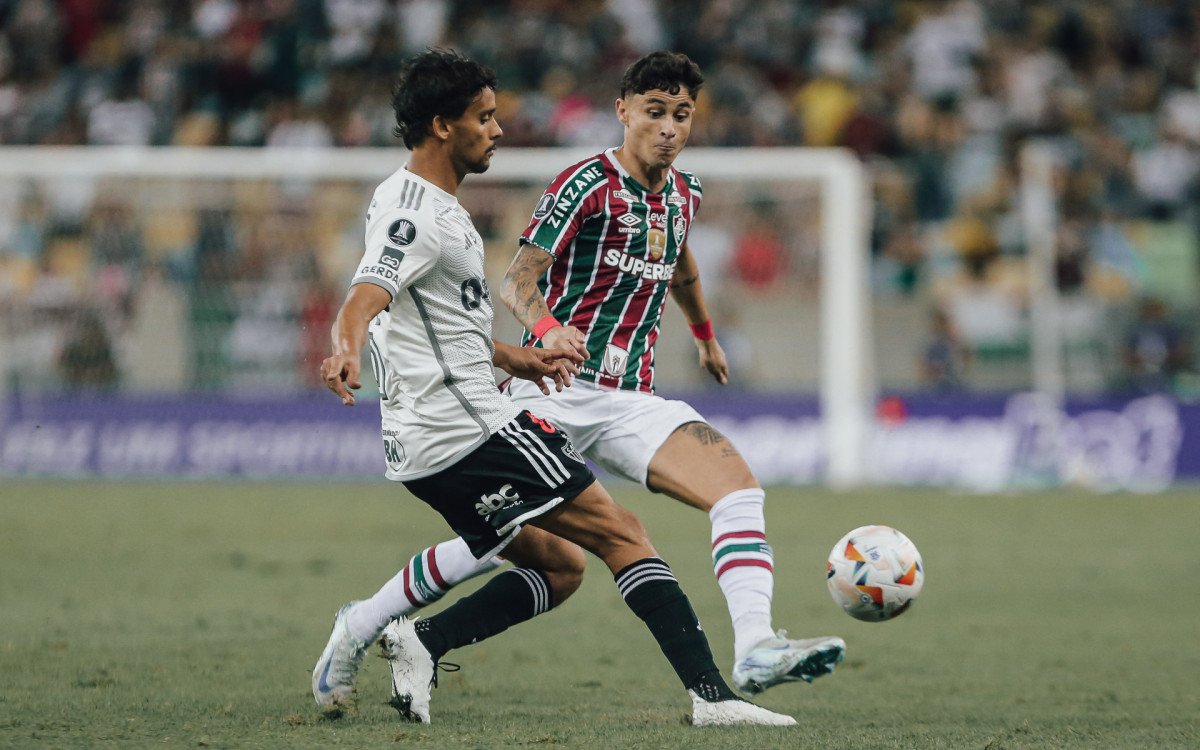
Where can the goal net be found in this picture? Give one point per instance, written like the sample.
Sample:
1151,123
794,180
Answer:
193,271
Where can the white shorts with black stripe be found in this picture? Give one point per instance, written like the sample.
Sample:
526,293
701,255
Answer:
523,470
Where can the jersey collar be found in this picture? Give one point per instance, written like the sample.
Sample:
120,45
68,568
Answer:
628,179
437,191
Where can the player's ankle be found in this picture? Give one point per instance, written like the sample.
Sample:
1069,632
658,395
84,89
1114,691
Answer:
711,687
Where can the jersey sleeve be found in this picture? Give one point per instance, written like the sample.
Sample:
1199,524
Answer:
571,199
695,191
402,245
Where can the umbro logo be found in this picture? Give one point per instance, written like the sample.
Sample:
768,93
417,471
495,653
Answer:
629,219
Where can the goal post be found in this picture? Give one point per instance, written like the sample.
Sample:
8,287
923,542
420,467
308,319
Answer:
847,383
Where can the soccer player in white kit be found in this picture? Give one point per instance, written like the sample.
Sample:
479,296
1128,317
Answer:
606,246
506,481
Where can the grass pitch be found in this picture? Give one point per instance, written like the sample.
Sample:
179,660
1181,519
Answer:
190,615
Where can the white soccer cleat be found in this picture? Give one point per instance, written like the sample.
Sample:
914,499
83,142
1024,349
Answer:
333,677
781,659
734,713
412,670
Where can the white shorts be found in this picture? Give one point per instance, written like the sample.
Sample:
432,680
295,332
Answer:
619,430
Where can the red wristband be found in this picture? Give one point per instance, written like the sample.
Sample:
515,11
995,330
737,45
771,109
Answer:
702,331
543,325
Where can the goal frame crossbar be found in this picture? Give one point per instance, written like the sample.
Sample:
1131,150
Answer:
847,384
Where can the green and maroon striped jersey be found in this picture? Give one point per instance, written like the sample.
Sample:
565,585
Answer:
614,245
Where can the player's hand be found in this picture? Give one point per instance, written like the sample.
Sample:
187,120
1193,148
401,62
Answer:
566,337
341,375
535,365
712,358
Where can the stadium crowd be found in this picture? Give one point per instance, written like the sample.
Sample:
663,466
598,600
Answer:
937,96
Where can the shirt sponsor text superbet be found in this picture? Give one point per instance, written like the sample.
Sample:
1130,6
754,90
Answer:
638,266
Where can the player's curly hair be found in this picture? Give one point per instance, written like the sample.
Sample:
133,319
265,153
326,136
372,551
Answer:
663,70
436,83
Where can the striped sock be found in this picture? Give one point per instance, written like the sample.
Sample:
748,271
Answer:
651,591
744,566
426,578
510,598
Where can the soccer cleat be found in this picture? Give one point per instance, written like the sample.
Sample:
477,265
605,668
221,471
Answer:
333,677
781,659
412,670
734,712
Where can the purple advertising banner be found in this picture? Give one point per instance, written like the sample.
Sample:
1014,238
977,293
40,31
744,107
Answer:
978,442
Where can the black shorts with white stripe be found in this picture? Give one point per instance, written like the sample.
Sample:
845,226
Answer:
523,470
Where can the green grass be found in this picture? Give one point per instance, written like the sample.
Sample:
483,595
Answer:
190,614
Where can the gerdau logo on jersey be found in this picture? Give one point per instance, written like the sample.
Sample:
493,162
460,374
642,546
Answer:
489,504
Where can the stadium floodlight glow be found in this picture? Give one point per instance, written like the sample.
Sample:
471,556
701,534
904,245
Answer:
847,376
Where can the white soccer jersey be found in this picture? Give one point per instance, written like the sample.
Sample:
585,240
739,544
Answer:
432,348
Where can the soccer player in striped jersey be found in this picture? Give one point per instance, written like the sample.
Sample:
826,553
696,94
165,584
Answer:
506,481
606,246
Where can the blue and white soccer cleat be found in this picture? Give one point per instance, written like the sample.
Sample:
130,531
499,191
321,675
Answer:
781,659
412,670
333,677
734,713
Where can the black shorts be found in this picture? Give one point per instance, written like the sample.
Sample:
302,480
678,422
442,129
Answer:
522,471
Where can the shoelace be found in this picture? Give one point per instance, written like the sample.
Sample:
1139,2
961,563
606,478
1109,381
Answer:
445,666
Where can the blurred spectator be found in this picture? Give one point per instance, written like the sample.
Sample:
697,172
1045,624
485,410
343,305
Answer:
124,119
86,361
117,252
294,126
352,24
945,358
942,46
28,243
1165,173
1157,351
318,308
826,103
985,297
759,257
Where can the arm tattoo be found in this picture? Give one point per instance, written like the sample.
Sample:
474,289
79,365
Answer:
528,304
687,281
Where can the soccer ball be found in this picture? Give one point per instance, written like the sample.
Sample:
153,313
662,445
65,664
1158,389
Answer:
874,573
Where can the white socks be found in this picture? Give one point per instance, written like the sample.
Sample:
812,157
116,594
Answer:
742,561
427,577
743,564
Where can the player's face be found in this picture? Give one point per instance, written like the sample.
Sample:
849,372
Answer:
657,125
475,134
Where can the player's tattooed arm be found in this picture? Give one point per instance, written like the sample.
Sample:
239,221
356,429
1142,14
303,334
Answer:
520,289
686,291
521,295
685,287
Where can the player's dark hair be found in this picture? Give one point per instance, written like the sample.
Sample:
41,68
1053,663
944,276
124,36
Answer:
435,83
663,70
